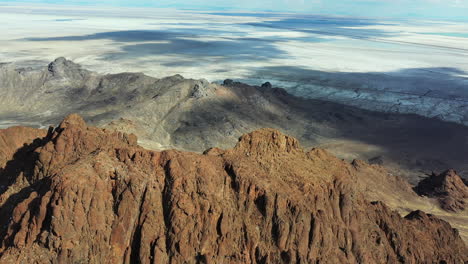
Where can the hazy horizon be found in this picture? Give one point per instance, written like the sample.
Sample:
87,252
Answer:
401,9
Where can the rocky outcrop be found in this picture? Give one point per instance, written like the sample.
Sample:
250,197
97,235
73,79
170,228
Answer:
202,89
95,196
448,188
63,68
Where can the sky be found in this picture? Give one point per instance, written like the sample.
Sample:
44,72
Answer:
440,9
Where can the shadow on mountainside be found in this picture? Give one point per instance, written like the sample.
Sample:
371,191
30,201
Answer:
22,164
410,141
446,83
16,190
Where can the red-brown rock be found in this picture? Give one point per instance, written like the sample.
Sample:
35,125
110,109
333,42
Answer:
13,138
448,188
94,196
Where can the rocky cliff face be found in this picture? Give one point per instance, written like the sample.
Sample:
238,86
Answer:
448,188
94,196
16,147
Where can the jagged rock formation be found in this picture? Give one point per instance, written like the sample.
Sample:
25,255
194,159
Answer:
448,188
95,196
194,115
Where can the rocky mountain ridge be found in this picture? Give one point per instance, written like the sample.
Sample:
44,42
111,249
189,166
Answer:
91,195
194,115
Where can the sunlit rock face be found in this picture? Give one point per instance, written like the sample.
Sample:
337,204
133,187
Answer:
85,194
385,65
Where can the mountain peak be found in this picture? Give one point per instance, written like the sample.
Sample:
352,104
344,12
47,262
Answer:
72,120
267,140
61,67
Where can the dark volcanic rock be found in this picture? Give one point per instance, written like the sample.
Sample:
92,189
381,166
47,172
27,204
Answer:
94,196
267,85
448,188
376,160
228,82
